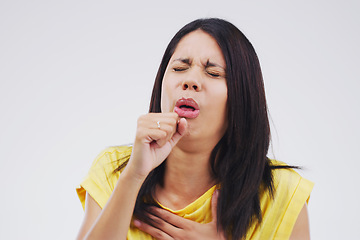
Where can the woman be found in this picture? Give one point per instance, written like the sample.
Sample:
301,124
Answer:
198,167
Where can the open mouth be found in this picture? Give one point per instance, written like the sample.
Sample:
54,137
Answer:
187,107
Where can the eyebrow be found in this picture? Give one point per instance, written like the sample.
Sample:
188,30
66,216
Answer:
183,60
211,64
208,63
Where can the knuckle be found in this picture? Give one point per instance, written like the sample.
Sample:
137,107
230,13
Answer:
139,133
190,227
169,132
160,143
163,134
159,235
161,224
166,218
174,121
141,118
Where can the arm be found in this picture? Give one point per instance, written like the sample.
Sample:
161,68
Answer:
92,211
114,219
301,228
152,145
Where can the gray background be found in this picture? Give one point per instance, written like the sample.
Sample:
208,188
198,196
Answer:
75,76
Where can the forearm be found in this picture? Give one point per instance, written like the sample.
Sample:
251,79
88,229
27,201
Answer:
115,218
152,145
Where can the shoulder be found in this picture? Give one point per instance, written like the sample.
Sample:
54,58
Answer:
102,176
292,192
105,164
112,156
289,181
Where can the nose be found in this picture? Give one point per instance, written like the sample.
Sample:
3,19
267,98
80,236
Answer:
191,83
191,86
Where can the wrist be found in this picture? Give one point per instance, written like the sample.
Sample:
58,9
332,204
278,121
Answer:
133,174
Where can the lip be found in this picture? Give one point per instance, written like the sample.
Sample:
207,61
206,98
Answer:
187,112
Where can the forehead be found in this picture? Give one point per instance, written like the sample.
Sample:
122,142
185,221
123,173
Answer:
199,45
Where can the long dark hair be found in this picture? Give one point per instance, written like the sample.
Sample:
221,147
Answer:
238,161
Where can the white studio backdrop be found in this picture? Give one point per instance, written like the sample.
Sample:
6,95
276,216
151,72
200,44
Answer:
75,76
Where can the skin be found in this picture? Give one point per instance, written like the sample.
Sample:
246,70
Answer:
196,70
301,228
151,146
171,226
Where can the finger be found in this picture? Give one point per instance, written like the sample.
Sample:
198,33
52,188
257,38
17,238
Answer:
165,226
182,126
173,126
155,232
214,202
158,120
171,218
166,122
160,115
162,123
170,130
151,135
181,130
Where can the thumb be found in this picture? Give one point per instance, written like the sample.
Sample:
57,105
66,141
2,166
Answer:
214,202
181,130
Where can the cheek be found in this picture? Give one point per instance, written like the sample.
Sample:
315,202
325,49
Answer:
220,104
220,94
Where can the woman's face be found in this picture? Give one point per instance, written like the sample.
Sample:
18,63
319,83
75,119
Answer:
194,85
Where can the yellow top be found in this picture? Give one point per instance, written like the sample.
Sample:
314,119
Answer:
279,213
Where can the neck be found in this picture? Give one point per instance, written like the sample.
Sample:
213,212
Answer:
187,176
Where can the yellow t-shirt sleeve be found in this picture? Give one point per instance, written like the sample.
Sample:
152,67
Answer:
101,179
292,192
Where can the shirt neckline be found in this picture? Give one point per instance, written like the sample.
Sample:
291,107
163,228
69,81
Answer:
194,205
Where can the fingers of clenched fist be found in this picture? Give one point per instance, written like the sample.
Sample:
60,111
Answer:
159,128
156,135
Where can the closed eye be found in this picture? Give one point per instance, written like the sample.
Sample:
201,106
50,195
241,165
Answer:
177,69
213,74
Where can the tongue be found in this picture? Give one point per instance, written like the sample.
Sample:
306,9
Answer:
186,112
187,108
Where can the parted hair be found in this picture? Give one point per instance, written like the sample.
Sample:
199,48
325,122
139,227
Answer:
239,161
